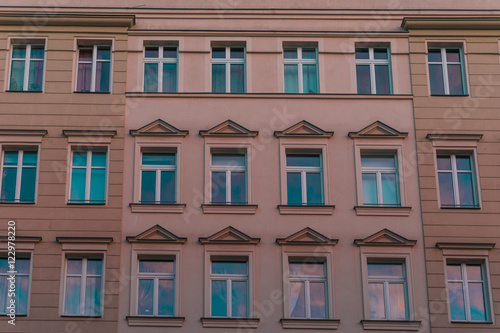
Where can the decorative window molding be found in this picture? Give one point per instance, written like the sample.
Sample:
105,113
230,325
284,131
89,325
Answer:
84,243
228,128
378,130
23,243
156,234
89,136
306,236
159,128
303,129
21,135
229,236
385,237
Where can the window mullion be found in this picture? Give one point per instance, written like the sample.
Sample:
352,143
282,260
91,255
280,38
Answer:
380,197
466,292
372,77
160,70
456,191
303,186
94,68
83,286
387,300
158,186
229,298
88,172
228,186
17,195
307,295
27,67
155,296
445,71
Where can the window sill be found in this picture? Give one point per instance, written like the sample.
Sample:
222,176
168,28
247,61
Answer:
155,321
471,322
320,324
229,209
306,210
16,203
449,95
382,211
24,91
86,203
391,325
461,207
77,316
157,208
230,322
92,92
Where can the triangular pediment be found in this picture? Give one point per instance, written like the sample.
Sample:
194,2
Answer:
156,234
229,235
304,129
378,130
228,128
306,236
159,128
385,237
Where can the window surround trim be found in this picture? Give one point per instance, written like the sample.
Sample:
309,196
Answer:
160,62
227,61
27,249
300,62
372,62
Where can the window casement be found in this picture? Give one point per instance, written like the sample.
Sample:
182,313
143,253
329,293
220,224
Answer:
94,68
379,173
160,68
373,70
228,177
27,65
304,178
301,69
22,269
228,69
446,70
88,175
229,287
156,287
158,177
19,174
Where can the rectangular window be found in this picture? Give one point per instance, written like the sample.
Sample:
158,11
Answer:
380,180
446,71
304,179
457,181
387,291
229,288
373,70
301,70
27,67
156,287
83,287
228,69
158,177
88,177
94,68
308,289
160,68
22,284
467,294
18,181
229,178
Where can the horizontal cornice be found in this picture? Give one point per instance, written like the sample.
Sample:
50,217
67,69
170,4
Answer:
50,19
452,23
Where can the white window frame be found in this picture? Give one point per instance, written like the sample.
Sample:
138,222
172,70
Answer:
88,173
27,62
303,172
94,65
228,169
24,255
159,169
227,61
378,172
371,61
444,65
160,61
300,62
19,167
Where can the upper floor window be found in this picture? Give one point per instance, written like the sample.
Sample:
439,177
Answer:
446,71
304,178
22,285
160,68
94,68
27,67
229,288
228,69
380,180
301,70
156,291
373,70
88,177
457,181
229,178
158,177
19,175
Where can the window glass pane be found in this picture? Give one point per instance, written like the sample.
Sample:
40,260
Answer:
17,75
3,294
377,305
79,159
151,52
239,299
290,53
463,163
78,185
228,159
167,187
453,55
145,297
238,187
382,80
436,79
22,266
74,266
28,183
446,189
380,53
10,158
474,272
308,53
94,266
156,266
21,295
310,77
378,161
102,76
454,272
444,162
237,53
390,194
97,185
169,77
456,299
218,187
218,52
218,78
313,185
85,54
369,182
455,79
297,300
476,297
294,188
158,158
434,55
219,298
318,300
291,79
84,77
237,78
166,297
170,52
150,77
362,53
72,300
19,51
103,53
29,158
148,187
226,267
465,189
307,268
98,159
363,79
397,301
4,266
303,160
93,296
9,184
35,78
382,269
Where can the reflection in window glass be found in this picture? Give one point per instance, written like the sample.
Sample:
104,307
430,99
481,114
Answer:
456,177
307,289
229,281
446,71
304,179
373,70
301,70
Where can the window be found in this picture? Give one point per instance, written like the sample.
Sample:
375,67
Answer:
156,290
160,69
94,68
387,290
307,289
467,291
446,71
88,177
457,181
304,174
380,180
26,72
373,70
229,288
229,178
301,70
158,177
22,283
228,69
18,181
83,287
